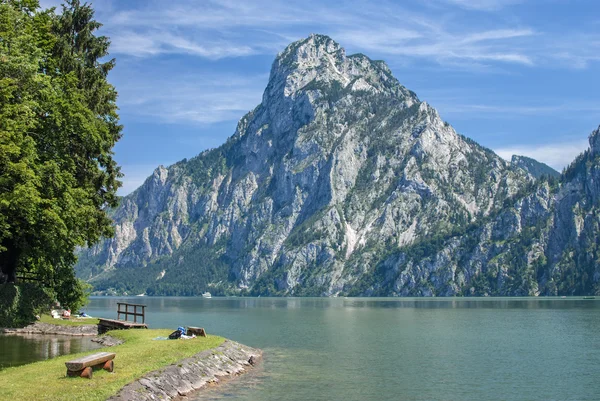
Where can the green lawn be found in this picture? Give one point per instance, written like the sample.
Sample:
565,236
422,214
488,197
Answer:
71,322
140,354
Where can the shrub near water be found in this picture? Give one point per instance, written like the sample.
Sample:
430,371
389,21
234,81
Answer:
140,354
19,304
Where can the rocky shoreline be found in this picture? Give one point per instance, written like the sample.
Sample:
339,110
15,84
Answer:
192,374
177,380
47,328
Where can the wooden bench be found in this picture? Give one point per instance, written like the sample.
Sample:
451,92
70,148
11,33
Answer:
82,367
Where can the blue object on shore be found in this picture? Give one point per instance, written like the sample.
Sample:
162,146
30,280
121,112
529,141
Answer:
182,329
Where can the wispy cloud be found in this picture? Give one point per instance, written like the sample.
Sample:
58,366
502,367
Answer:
557,155
482,5
496,35
222,28
442,31
514,107
199,98
517,110
157,42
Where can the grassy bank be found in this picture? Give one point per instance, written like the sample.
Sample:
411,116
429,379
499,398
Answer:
139,355
71,322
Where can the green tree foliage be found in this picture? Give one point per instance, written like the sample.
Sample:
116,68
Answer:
58,125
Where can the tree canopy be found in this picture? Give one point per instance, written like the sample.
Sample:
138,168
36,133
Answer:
58,126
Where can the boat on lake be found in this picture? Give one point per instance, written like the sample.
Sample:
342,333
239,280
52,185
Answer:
206,295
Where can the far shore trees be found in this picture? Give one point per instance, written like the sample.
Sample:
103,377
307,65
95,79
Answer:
58,126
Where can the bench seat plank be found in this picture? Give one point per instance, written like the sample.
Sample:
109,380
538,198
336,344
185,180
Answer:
90,360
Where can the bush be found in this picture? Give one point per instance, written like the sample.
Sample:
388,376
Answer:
20,303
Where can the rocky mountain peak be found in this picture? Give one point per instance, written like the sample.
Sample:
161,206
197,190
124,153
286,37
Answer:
595,141
311,51
318,62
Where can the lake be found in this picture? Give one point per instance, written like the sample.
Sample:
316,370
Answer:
19,349
397,349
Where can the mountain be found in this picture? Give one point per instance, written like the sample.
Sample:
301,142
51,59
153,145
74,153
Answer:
543,242
341,182
533,167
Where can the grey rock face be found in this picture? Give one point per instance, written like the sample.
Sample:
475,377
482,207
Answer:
543,242
334,184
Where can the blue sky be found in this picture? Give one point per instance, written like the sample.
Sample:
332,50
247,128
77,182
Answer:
520,77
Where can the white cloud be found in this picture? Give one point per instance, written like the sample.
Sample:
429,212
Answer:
557,155
221,28
497,34
154,43
199,98
441,31
452,106
483,5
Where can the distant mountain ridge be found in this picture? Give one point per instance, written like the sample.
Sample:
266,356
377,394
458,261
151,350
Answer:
343,182
533,167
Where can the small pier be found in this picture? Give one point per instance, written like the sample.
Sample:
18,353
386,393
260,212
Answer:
123,309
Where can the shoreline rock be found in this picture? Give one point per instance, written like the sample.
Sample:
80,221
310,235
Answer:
107,341
192,374
53,329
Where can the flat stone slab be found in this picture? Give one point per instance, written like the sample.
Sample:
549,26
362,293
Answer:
191,374
107,341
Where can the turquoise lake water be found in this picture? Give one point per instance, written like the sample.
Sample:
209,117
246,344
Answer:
397,349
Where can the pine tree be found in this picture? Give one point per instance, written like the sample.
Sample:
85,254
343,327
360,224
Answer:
58,125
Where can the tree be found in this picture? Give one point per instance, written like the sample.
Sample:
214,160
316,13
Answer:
58,126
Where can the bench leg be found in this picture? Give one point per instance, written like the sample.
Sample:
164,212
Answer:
109,366
87,373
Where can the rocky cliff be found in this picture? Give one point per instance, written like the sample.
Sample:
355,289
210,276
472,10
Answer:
543,242
343,182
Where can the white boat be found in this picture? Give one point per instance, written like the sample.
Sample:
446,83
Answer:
206,295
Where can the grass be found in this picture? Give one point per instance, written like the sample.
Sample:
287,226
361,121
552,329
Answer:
71,322
140,354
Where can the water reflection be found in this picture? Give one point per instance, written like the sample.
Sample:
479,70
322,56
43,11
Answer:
19,349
